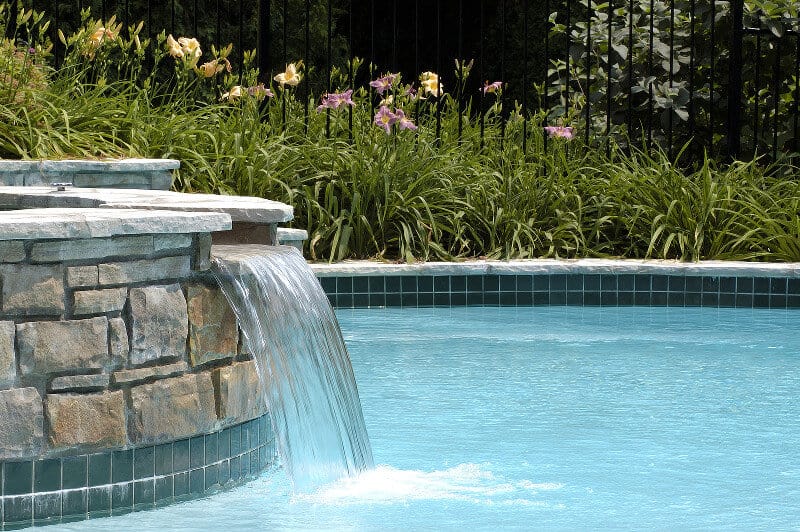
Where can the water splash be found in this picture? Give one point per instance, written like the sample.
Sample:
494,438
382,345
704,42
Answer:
290,328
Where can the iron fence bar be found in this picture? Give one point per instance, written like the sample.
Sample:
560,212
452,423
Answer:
285,61
524,77
567,57
103,9
306,50
650,82
735,80
546,67
329,69
630,72
350,73
757,82
796,94
481,73
588,68
712,73
172,15
608,75
371,57
394,35
219,24
692,47
263,55
503,73
439,71
149,19
241,40
194,17
776,73
416,36
460,66
671,74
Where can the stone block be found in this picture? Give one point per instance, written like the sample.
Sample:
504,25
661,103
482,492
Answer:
177,241
159,323
202,259
21,423
86,421
118,344
12,251
78,276
144,270
213,333
99,301
52,346
135,376
80,383
8,364
239,392
91,248
171,409
32,290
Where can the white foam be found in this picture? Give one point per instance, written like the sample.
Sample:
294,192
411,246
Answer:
465,482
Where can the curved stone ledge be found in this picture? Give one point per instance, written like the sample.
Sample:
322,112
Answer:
101,484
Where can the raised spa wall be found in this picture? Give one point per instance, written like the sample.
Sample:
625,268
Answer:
123,380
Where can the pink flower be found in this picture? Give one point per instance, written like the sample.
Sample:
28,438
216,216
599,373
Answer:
492,87
403,122
336,100
564,132
385,118
259,92
383,84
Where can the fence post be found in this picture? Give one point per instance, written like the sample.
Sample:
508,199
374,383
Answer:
735,80
262,56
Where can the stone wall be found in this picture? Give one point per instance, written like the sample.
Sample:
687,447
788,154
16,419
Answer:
114,343
155,174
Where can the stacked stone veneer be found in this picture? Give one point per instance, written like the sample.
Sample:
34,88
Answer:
115,343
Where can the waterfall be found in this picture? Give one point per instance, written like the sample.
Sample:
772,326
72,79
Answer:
289,327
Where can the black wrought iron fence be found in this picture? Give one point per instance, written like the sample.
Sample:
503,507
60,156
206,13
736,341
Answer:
713,75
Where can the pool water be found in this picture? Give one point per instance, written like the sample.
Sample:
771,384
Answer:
550,418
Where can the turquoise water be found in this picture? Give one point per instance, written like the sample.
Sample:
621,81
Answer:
551,418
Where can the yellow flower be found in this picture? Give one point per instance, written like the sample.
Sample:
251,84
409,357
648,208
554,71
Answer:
210,69
235,92
389,100
290,77
190,47
97,36
430,83
173,47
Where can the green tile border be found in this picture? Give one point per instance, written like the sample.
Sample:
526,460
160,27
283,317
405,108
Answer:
44,492
351,290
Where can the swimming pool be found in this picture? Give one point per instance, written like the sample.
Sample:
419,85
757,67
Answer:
551,417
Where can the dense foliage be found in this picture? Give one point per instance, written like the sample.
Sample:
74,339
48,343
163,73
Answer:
369,184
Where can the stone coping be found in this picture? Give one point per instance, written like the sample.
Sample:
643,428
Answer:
94,223
556,266
240,208
104,165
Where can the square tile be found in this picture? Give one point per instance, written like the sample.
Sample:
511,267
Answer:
710,284
163,489
558,282
255,463
727,300
408,299
377,300
676,299
74,472
143,462
344,285
660,283
744,285
235,468
181,484
558,298
777,301
376,284
608,282
694,284
575,282
99,469
180,455
332,299
474,298
793,287
591,282
441,283
46,476
793,301
608,299
508,283
361,300
541,299
591,299
541,282
575,299
344,300
18,509
677,283
491,283
760,300
121,496
658,299
212,448
727,284
441,299
328,284
408,283
122,466
99,499
744,300
393,300
236,440
393,285
777,285
524,299
624,298
212,476
626,282
75,502
692,299
46,506
524,283
163,459
458,283
491,299
508,299
425,299
144,492
641,299
642,282
224,472
474,283
17,478
458,299
360,285
424,283
761,285
197,481
710,299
